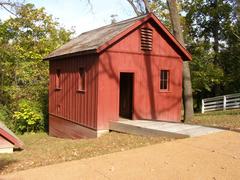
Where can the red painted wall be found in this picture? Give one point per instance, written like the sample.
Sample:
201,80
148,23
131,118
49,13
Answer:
99,104
68,103
148,101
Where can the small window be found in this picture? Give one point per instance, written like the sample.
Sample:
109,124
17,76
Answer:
164,80
146,39
58,78
81,79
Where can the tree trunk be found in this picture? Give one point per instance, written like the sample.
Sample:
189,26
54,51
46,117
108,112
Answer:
187,85
138,8
238,10
147,8
139,13
215,31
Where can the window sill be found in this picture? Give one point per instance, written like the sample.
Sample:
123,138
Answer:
165,91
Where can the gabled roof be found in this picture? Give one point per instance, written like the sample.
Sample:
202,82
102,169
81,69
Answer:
98,40
10,136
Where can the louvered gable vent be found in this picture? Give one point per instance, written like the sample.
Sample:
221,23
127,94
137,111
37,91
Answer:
146,39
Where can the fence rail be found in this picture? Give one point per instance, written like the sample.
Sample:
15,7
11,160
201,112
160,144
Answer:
230,101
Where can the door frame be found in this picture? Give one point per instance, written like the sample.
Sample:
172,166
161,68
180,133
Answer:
133,90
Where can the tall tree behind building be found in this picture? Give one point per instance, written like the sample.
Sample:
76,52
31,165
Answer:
187,85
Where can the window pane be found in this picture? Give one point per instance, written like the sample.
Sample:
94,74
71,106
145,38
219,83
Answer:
162,75
58,74
81,82
161,85
164,80
165,85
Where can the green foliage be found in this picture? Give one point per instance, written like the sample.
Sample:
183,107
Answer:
160,9
207,17
24,41
4,114
230,59
211,32
29,117
205,74
30,37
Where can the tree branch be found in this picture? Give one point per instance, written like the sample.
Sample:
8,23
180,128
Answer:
4,7
147,8
134,7
238,37
8,5
90,4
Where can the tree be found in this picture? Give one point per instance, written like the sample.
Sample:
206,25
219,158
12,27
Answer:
140,7
10,5
24,40
204,73
208,20
229,54
237,9
158,7
187,85
214,26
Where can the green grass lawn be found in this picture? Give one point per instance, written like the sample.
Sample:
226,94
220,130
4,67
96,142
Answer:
41,149
226,119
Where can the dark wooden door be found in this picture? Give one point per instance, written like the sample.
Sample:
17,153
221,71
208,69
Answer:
126,95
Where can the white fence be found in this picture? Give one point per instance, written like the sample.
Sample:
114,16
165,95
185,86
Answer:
230,101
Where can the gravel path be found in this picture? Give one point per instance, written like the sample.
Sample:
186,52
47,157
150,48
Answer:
214,156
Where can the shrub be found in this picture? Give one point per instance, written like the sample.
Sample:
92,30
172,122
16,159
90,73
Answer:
3,113
29,117
5,116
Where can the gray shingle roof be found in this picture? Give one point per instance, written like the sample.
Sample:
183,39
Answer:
93,39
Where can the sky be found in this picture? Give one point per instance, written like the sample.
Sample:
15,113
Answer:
79,15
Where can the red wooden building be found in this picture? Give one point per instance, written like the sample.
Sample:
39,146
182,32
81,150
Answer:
130,69
8,140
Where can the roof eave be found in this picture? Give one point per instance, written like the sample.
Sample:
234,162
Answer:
187,55
16,142
86,52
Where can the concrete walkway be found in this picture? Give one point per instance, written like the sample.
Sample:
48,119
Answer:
178,130
214,156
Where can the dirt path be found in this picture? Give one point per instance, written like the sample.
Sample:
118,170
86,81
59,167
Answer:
214,156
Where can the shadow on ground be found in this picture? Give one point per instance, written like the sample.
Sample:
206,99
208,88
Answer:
4,163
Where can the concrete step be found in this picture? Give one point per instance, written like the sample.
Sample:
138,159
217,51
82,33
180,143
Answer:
144,131
199,131
156,128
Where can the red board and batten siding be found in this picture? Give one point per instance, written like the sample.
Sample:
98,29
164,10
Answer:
148,101
81,114
67,103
